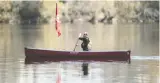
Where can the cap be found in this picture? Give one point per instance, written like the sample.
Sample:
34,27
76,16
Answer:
85,33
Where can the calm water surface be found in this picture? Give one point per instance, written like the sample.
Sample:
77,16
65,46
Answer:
141,39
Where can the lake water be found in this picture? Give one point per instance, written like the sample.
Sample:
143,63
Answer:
141,39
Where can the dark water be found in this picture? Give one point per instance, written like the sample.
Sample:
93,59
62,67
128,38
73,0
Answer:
141,39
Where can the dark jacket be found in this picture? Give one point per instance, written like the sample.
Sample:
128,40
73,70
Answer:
85,43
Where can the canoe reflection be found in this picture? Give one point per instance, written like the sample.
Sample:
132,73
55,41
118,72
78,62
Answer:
34,60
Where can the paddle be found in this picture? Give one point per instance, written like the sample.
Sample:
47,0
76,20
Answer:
77,42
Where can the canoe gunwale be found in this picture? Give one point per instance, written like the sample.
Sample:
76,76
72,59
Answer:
74,51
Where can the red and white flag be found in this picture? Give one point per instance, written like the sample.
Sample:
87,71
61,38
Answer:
57,22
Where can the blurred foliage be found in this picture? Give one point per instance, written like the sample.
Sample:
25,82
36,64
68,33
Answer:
30,11
70,11
138,10
119,11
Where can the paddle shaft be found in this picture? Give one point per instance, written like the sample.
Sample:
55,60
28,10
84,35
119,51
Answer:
76,44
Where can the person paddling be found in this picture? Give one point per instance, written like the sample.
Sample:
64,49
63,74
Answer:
86,43
86,46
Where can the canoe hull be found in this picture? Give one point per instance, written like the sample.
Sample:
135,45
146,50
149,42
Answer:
52,55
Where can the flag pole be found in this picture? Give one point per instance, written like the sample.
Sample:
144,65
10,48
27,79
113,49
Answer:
57,25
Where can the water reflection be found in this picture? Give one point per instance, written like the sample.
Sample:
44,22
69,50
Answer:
143,40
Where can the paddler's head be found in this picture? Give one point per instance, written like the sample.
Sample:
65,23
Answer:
85,34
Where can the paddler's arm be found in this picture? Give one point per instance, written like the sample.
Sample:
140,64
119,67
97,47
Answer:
81,38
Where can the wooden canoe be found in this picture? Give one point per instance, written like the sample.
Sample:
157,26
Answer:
54,55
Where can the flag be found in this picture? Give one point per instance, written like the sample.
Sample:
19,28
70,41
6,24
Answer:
57,22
